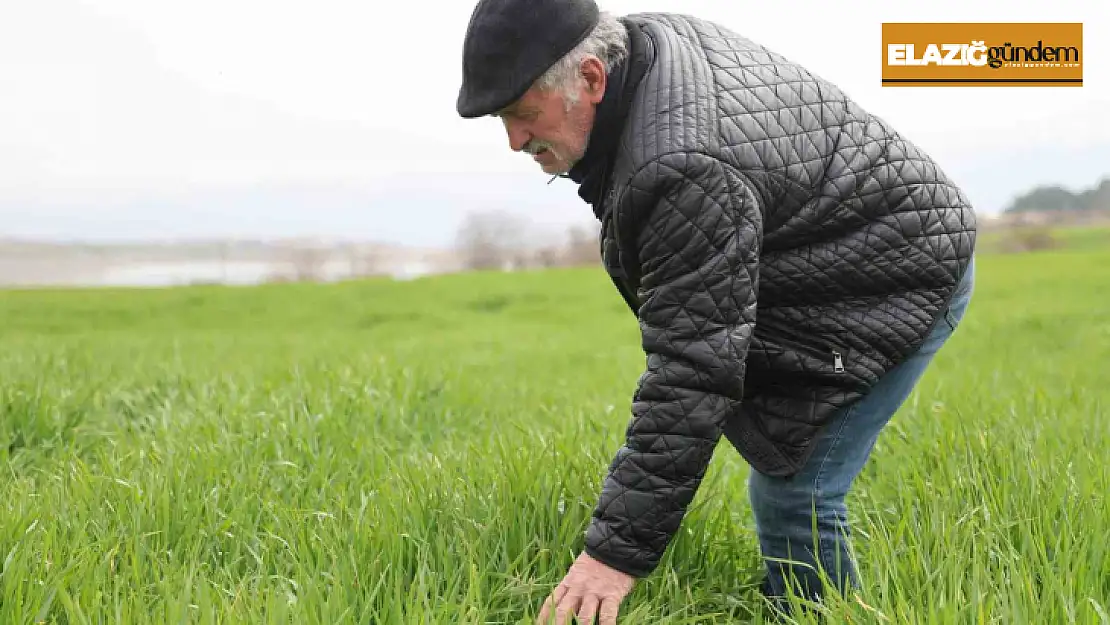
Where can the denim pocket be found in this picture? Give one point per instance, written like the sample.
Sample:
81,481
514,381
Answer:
950,319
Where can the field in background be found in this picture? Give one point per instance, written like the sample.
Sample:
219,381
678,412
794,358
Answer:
1028,238
430,451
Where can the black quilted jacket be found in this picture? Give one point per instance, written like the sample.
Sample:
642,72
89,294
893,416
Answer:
782,248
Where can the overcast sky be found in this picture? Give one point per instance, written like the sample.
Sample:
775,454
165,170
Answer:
148,119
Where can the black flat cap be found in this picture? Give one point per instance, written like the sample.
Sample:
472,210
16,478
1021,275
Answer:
511,43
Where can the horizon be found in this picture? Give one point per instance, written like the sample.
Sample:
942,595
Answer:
119,125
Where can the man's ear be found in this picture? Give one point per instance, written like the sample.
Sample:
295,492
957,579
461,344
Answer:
593,72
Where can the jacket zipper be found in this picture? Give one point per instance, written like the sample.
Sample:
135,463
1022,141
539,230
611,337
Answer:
837,355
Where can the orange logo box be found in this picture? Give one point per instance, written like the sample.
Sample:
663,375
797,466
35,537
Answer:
978,55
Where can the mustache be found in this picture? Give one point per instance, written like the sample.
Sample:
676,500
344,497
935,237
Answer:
535,146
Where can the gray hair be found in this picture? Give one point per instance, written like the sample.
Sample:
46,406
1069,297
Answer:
608,41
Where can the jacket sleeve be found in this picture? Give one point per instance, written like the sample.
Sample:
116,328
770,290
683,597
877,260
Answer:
697,230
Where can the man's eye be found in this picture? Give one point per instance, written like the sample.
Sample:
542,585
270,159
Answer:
523,116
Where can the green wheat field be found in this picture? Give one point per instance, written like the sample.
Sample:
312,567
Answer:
430,452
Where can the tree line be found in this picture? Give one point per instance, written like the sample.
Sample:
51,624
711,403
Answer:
500,240
1049,198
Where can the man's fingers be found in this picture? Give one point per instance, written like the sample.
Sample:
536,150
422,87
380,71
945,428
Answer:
566,608
607,614
545,612
587,611
559,592
549,605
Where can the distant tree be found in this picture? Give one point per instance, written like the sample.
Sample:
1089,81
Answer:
583,246
366,260
307,261
1045,198
1050,198
490,240
547,257
1097,198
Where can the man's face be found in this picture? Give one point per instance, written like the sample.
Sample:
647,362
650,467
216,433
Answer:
552,128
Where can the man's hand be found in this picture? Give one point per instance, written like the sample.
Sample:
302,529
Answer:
589,589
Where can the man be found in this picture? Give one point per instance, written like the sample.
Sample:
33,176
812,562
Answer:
793,261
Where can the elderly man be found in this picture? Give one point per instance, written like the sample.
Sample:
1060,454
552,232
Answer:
793,261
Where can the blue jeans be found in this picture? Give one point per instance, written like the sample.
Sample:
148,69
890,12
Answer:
787,510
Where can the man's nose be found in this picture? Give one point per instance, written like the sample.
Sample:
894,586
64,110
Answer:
518,136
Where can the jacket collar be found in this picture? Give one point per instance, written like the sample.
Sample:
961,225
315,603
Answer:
591,171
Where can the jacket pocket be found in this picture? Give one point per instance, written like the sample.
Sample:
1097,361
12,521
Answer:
950,319
823,351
